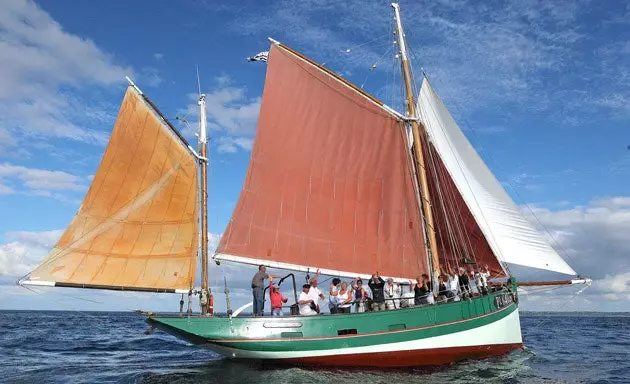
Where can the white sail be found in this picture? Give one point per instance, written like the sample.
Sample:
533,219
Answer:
512,238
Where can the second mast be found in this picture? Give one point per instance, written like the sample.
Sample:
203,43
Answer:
203,165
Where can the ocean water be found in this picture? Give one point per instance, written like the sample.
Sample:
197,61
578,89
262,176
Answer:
75,347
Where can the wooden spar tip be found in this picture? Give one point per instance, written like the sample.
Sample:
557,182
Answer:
131,83
585,281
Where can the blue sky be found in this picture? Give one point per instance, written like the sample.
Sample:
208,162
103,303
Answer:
540,88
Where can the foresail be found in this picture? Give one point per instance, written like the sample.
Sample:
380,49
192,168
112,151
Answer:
329,182
137,226
511,237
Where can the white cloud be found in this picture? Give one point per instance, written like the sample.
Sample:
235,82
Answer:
4,190
158,56
38,180
228,144
223,80
44,70
12,260
150,77
44,239
615,284
213,241
9,146
594,237
24,250
230,112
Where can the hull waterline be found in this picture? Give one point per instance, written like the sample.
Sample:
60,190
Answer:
420,336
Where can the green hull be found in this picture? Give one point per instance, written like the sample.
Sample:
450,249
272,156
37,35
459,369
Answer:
483,326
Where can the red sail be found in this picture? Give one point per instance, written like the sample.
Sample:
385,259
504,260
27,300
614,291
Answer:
459,238
329,183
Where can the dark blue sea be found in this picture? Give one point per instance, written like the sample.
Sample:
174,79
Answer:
76,347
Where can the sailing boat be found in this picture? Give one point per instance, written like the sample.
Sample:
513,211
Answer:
338,182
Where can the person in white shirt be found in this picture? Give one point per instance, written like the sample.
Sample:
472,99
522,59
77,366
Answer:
453,284
485,273
335,286
314,293
481,281
305,303
392,294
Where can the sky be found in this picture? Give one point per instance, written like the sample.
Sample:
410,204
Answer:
540,88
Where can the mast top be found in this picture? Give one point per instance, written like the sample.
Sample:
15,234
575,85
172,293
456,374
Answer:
403,48
203,134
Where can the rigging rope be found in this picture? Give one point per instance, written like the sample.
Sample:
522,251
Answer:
63,304
362,44
378,61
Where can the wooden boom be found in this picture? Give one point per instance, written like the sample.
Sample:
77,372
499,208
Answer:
554,282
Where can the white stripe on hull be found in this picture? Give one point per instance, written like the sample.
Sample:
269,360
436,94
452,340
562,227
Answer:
504,331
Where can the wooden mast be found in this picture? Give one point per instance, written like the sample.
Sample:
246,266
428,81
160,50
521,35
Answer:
417,146
203,165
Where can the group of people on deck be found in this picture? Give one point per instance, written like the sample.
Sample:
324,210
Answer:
377,295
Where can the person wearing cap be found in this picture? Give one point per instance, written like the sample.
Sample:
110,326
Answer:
392,294
276,299
258,289
305,302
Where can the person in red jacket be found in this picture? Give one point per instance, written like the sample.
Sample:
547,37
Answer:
276,299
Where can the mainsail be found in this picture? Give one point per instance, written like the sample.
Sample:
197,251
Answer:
329,184
137,228
510,236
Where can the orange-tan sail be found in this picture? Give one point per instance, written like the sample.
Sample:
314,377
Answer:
138,224
329,183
